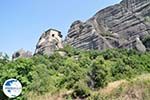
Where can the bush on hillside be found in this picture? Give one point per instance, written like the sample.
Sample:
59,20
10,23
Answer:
80,71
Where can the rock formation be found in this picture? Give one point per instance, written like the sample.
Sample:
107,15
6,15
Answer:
21,53
119,26
49,41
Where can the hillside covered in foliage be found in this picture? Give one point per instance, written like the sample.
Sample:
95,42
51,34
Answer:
79,74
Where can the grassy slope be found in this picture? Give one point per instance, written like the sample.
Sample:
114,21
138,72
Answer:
134,89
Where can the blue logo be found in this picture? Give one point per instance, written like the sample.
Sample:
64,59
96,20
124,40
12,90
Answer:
12,88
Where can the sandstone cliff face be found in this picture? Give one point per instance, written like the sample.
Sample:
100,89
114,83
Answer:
122,25
49,41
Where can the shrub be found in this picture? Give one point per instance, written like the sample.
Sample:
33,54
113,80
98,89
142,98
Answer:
81,90
147,19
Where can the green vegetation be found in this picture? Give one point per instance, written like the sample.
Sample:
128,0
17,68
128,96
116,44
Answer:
106,33
82,72
147,19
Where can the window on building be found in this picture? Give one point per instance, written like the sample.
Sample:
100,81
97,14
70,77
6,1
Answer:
53,35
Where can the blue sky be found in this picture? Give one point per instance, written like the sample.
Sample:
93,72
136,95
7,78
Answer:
23,21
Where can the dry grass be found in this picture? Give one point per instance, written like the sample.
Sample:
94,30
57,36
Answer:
56,96
33,96
111,86
136,89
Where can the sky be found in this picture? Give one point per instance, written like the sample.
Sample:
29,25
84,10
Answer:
23,21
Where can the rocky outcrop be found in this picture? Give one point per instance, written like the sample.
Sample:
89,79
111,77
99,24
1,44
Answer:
21,54
116,26
134,43
49,41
